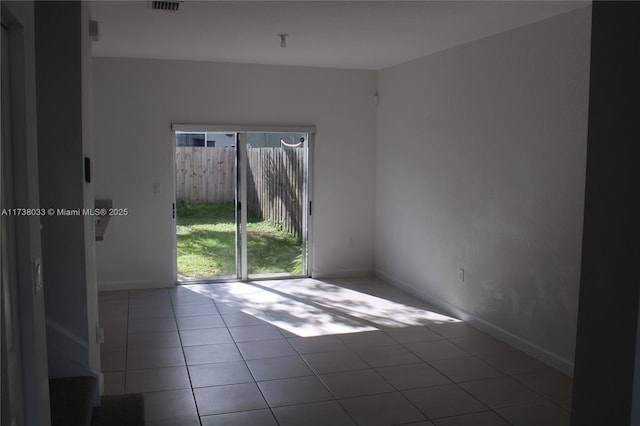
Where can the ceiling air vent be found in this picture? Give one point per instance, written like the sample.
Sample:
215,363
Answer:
165,5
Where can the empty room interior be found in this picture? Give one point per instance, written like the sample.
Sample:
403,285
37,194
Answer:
447,262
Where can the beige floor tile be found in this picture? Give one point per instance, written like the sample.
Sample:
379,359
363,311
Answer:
222,373
412,334
314,414
481,344
208,354
292,391
266,349
334,362
437,350
548,382
229,399
308,345
465,369
444,401
355,383
383,356
535,415
514,362
501,392
161,357
382,409
150,325
279,368
249,333
242,418
165,406
157,379
366,339
199,321
487,418
412,376
205,336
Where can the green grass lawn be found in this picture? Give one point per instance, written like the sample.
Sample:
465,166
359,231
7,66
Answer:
206,239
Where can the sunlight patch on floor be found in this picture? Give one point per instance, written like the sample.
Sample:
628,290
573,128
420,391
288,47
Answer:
383,312
309,307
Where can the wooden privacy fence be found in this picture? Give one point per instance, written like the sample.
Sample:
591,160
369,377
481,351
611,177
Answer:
275,181
205,175
275,189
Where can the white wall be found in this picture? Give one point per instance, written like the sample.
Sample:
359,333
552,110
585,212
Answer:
68,242
135,102
481,165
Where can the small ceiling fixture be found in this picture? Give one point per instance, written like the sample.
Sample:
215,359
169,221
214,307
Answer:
283,40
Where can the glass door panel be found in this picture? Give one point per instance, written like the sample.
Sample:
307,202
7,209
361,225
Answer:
206,206
276,179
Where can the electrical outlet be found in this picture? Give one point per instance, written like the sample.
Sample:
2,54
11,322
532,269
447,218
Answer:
461,275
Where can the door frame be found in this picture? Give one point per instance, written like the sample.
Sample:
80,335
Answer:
10,352
18,18
241,170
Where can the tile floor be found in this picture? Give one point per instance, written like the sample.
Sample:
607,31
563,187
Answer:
308,352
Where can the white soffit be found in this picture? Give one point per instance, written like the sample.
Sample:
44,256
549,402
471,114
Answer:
334,34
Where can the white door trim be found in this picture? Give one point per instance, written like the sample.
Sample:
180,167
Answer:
229,128
241,189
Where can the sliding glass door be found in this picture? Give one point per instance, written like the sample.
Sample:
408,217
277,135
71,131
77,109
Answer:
242,198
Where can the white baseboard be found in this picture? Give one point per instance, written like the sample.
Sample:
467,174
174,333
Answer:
342,273
550,358
133,285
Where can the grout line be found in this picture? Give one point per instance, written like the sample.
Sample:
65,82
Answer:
184,355
317,375
255,381
500,416
455,382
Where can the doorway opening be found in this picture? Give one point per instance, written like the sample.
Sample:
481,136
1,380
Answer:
242,202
